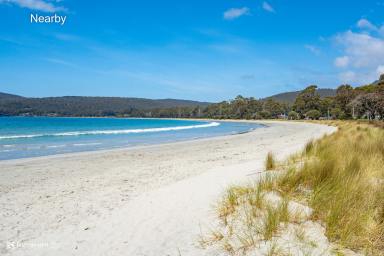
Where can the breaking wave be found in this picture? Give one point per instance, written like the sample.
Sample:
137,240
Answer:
108,132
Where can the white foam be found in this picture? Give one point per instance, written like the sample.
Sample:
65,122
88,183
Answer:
8,146
85,144
56,146
101,132
7,150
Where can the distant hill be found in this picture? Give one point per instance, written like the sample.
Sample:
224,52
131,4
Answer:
289,97
85,106
7,96
111,106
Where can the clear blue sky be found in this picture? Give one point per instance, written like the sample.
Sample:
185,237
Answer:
200,50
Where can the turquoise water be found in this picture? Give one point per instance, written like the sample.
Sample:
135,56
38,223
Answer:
22,137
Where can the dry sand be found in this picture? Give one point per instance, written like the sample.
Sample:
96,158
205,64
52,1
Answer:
143,201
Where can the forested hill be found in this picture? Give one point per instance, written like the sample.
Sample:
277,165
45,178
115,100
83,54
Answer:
86,106
289,97
365,101
7,96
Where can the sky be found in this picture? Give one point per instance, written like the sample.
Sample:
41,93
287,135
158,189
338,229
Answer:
198,50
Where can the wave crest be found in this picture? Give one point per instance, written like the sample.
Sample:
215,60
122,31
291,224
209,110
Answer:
108,132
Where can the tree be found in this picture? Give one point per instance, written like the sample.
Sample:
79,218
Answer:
273,107
240,106
293,115
380,99
337,113
380,107
344,95
264,115
326,105
313,114
381,79
367,104
307,100
254,106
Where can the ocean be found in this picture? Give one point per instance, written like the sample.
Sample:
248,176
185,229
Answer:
23,137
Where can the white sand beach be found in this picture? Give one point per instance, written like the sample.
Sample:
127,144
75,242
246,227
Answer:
151,200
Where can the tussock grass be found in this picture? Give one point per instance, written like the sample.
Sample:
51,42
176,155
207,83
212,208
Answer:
309,147
271,223
344,173
356,183
340,176
274,250
284,214
270,162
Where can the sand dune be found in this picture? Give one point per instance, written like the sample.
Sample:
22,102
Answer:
143,201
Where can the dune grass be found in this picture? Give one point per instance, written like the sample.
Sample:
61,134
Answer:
345,174
341,177
271,222
270,162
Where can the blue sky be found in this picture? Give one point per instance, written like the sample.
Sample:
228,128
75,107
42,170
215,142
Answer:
200,50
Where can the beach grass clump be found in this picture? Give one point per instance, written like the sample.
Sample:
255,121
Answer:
253,217
270,162
274,250
283,210
256,198
271,222
344,173
309,147
340,177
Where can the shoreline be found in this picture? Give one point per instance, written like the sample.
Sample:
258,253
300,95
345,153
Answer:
147,201
116,149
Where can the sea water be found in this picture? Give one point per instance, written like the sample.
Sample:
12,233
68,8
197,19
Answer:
22,137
